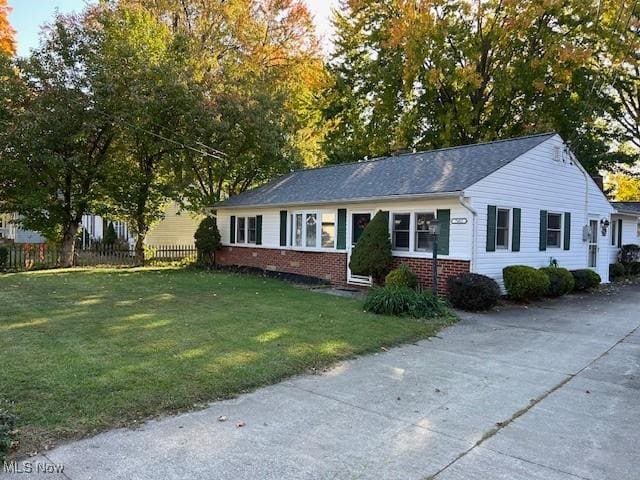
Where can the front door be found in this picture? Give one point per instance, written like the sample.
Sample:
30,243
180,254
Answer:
593,243
359,222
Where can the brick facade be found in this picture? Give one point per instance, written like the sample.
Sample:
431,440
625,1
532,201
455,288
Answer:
423,268
332,266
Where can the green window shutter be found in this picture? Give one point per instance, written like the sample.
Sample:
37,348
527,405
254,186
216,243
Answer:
567,230
492,213
232,229
444,223
543,230
283,228
258,229
515,236
342,229
619,233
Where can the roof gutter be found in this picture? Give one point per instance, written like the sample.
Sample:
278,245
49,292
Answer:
433,196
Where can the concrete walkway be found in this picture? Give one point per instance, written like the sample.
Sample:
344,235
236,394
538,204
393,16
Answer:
549,392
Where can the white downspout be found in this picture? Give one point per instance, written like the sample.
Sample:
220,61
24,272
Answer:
474,228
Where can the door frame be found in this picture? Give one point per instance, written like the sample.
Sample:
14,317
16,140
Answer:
593,241
355,279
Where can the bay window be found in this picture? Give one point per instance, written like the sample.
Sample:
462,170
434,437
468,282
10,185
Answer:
328,233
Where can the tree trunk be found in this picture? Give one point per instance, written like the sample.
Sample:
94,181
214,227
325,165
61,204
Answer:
68,250
139,258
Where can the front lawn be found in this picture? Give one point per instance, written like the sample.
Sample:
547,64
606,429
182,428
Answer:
86,350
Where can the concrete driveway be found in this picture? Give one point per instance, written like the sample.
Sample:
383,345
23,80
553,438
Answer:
549,392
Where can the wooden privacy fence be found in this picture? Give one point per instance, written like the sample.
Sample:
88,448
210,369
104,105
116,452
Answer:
40,256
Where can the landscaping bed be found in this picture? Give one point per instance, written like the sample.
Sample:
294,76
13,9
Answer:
86,350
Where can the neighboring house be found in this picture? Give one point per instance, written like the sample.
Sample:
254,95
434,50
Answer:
625,226
525,201
176,228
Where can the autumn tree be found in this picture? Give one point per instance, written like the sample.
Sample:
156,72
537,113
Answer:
434,73
54,140
7,33
624,186
259,69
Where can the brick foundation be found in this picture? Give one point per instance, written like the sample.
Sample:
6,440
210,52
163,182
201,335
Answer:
332,266
423,268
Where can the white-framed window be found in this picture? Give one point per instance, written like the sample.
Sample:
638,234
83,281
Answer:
423,238
251,230
313,229
241,233
401,231
554,230
503,222
328,233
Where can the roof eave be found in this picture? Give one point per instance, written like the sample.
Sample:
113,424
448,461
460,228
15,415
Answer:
453,194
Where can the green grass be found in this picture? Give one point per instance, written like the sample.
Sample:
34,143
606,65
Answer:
86,350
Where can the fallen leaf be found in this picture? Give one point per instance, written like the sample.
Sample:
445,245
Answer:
223,418
240,424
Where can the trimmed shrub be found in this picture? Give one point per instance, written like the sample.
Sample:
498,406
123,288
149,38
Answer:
616,270
7,433
394,300
525,283
372,254
632,268
561,281
585,279
473,292
4,257
629,253
110,236
207,240
401,277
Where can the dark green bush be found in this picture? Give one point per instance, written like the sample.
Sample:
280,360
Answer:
7,433
110,236
561,281
525,283
585,279
372,254
401,277
473,292
394,300
616,270
207,240
632,268
4,257
629,253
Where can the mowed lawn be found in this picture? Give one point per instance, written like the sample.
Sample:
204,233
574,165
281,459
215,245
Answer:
86,350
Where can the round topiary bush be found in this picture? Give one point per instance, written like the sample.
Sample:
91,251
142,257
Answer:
525,283
207,240
473,292
401,277
616,271
585,279
561,281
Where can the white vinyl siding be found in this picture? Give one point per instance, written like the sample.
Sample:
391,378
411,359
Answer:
534,182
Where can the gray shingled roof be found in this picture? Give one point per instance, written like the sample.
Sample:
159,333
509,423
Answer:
627,207
432,172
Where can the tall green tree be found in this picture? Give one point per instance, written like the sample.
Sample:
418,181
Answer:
434,73
54,142
151,97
